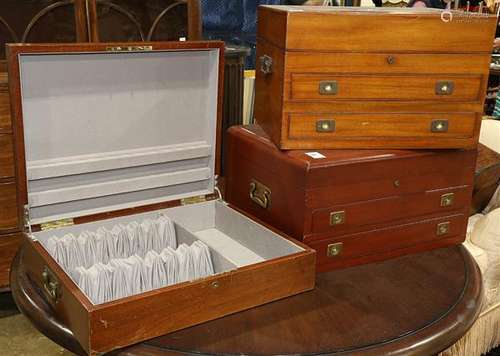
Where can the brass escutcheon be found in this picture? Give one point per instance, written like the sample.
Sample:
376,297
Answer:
334,250
266,64
391,59
447,199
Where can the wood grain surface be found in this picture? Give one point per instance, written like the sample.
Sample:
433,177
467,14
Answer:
414,305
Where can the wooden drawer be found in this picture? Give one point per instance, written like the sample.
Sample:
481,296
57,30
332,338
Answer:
391,241
371,125
5,121
8,207
6,156
8,248
385,87
387,63
338,219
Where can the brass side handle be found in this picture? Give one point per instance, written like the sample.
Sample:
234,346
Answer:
260,194
266,64
51,285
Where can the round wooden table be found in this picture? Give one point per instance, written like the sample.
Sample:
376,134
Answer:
413,305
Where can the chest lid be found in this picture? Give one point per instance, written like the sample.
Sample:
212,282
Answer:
103,127
355,29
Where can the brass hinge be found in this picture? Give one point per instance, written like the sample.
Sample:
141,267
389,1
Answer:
51,225
194,200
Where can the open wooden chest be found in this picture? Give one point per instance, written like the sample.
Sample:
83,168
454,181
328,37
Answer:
113,141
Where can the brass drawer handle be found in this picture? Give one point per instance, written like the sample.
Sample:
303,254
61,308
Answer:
260,194
51,285
447,199
439,126
443,228
328,87
266,64
325,126
444,87
334,250
337,217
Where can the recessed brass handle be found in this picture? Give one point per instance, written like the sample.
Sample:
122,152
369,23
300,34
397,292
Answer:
337,217
51,285
328,87
325,126
439,126
444,87
447,199
260,194
334,250
266,64
443,228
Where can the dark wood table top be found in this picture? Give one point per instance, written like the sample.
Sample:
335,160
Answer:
413,305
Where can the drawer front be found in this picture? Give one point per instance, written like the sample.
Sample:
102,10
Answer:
5,121
387,63
6,156
8,207
386,87
359,125
338,252
336,220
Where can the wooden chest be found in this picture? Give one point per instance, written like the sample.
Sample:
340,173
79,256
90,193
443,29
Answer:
352,206
371,78
116,152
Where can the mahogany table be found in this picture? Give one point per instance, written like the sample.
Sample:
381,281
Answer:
413,305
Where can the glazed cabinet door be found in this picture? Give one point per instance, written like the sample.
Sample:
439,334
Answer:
42,21
144,20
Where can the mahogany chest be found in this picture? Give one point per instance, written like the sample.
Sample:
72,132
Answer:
117,157
333,77
352,206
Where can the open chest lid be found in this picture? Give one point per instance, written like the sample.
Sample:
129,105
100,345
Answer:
104,127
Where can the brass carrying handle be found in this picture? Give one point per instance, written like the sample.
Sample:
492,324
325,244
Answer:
51,285
261,197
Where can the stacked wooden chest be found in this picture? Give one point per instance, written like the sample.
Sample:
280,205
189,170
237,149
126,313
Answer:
360,80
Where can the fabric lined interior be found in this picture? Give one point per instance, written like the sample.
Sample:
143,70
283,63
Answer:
132,129
233,239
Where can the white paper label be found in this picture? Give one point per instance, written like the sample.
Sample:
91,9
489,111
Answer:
315,155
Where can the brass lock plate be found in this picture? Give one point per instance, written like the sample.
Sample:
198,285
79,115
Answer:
328,87
334,250
444,87
447,199
439,126
325,126
51,285
260,194
443,228
337,217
